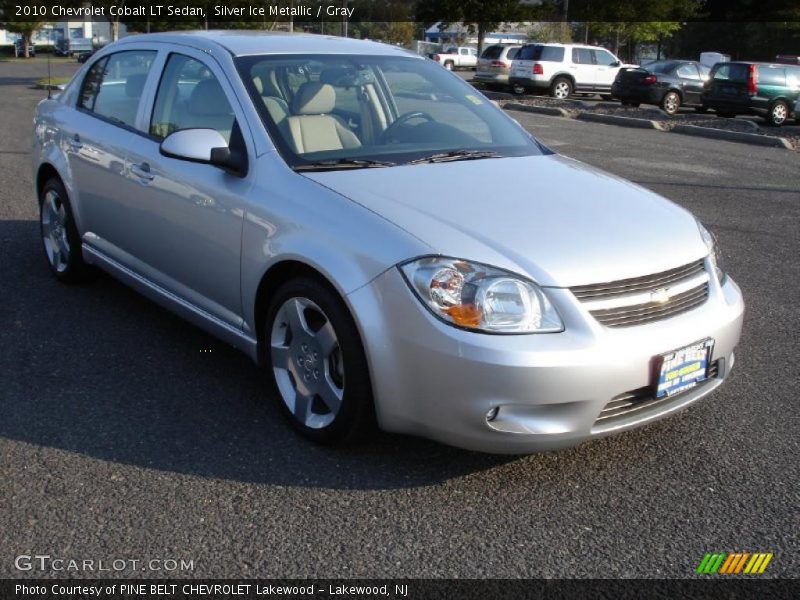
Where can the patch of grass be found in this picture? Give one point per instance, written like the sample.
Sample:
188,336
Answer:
53,81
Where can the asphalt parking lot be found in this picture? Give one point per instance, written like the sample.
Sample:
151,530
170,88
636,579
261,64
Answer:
127,433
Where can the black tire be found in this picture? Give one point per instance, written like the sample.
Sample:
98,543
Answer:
517,89
778,114
671,102
561,85
355,418
449,65
69,267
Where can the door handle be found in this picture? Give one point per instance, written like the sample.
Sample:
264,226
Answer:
142,171
75,142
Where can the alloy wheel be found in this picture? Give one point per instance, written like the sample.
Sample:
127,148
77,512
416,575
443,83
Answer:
561,90
671,103
779,113
54,231
307,362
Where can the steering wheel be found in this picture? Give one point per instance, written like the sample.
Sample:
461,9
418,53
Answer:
402,120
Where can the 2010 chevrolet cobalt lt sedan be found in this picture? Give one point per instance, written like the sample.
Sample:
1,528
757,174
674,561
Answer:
386,243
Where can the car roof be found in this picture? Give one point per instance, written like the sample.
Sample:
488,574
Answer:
559,44
246,43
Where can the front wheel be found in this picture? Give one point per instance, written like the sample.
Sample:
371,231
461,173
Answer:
778,114
561,88
517,89
449,65
60,238
318,367
670,103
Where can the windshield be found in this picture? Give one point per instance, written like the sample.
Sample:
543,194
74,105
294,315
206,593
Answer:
338,109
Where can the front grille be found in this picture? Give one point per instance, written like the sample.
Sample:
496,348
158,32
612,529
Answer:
643,398
628,302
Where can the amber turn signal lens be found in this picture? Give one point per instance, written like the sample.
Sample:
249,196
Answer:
466,315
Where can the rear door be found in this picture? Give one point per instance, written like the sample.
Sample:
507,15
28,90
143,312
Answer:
690,82
97,138
729,81
583,69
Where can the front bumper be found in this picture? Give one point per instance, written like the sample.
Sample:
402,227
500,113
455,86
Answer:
437,381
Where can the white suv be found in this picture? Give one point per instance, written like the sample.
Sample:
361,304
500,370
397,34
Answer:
563,68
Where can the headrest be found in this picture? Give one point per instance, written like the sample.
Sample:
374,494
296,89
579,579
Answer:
135,84
208,99
266,83
314,98
276,107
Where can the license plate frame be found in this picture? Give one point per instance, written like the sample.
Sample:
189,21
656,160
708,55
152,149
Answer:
682,369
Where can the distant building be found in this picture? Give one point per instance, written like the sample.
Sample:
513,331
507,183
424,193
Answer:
50,33
458,33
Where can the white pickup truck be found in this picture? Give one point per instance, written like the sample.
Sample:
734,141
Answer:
457,57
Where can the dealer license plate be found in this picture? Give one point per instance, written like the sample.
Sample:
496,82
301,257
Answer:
684,368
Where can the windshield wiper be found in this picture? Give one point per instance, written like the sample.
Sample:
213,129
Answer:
455,155
343,163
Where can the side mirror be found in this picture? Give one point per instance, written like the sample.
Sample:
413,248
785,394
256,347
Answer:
615,64
204,146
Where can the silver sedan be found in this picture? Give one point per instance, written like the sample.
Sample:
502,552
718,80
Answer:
388,245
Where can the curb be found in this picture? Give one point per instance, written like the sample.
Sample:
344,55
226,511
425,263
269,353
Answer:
734,136
540,110
621,121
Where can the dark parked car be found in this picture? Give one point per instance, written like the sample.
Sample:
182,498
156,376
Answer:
84,56
669,84
751,88
19,49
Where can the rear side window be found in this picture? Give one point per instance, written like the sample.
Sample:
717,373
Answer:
512,53
542,53
113,86
688,71
582,56
492,52
771,76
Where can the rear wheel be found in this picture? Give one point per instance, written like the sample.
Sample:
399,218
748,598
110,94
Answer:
561,88
517,89
778,114
449,65
60,238
317,363
671,102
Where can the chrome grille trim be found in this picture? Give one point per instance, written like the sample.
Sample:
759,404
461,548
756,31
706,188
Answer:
638,284
637,301
643,398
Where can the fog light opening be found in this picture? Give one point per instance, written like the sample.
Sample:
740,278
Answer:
492,414
731,361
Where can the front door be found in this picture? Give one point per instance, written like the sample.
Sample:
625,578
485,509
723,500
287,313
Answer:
583,69
607,67
192,212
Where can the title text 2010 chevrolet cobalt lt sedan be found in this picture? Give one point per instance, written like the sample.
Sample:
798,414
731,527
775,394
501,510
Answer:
386,242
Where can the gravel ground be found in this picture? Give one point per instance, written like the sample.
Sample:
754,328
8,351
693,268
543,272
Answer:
743,125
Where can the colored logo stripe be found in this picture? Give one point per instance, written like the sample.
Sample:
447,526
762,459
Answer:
727,564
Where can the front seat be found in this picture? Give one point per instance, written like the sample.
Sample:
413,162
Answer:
311,128
208,108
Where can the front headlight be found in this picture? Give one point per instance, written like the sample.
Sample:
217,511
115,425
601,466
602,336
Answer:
479,297
713,251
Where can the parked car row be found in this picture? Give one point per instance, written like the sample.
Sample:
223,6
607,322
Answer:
771,91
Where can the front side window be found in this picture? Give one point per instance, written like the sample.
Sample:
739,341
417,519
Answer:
603,58
772,76
388,109
113,86
190,97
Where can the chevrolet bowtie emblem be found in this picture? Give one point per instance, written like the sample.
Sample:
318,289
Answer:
660,296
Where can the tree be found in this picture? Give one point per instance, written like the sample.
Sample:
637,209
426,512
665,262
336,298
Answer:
26,29
481,16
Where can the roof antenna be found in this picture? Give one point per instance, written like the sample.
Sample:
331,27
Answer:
49,78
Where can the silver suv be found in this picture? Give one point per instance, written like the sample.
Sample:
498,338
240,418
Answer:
563,69
382,240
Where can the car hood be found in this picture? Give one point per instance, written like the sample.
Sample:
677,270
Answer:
552,218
